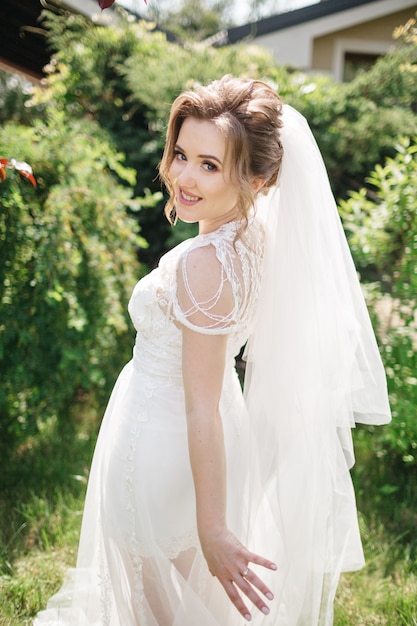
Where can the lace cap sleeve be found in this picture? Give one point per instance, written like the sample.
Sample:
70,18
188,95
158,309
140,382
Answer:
204,299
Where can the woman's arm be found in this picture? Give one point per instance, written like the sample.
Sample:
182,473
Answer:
203,363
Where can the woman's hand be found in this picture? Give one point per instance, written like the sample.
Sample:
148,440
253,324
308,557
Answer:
230,561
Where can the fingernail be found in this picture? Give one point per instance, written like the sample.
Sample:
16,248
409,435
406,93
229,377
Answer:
269,595
247,617
265,610
273,566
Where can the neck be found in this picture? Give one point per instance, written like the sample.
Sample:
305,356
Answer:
209,225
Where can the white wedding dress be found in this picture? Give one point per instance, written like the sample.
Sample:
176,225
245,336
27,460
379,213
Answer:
139,561
314,370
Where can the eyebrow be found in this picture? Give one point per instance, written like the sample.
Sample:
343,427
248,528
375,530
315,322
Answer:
200,156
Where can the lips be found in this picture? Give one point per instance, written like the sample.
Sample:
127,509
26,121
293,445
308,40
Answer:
187,198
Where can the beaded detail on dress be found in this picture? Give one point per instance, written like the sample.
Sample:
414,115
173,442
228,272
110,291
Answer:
240,259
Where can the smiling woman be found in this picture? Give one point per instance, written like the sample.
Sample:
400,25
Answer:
205,507
204,190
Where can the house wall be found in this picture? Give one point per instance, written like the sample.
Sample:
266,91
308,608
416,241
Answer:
296,46
373,37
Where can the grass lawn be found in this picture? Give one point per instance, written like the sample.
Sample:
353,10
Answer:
40,517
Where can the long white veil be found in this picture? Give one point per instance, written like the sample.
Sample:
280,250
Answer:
313,370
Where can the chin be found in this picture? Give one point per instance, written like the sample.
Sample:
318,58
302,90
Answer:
187,219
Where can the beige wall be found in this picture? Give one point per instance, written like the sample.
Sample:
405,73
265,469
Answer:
378,30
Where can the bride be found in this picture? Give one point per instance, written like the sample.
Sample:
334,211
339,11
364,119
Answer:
207,507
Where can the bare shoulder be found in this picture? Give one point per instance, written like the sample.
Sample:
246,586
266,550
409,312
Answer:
201,257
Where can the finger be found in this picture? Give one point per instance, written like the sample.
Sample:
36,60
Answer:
251,593
258,583
258,560
236,599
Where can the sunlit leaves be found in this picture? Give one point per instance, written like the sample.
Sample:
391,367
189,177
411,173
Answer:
68,265
381,222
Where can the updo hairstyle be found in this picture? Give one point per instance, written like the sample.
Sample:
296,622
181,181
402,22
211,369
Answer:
248,114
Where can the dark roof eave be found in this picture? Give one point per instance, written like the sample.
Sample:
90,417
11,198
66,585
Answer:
271,24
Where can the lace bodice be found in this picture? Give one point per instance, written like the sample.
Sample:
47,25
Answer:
209,284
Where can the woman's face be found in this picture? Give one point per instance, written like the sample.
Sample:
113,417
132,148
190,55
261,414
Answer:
200,177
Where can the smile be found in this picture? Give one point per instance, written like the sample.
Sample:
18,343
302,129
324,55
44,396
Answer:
187,197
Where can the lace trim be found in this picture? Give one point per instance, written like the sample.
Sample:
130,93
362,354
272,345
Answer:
133,543
241,263
173,546
206,307
105,587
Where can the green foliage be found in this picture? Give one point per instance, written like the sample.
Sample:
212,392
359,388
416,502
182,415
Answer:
381,221
355,131
67,251
43,490
392,80
14,97
87,79
194,20
382,227
158,81
384,592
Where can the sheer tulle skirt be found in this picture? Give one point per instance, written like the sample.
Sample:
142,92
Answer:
139,561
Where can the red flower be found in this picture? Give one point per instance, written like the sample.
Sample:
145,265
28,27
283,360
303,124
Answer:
105,4
20,166
3,163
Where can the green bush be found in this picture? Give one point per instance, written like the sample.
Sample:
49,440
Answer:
355,131
381,223
14,96
68,266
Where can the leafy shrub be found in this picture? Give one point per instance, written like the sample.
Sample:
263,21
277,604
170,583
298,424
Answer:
381,223
14,96
355,130
68,265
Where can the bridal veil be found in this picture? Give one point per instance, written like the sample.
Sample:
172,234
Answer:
313,371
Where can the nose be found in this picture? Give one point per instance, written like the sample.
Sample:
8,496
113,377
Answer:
186,177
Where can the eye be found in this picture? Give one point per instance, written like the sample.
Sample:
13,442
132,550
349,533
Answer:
209,166
179,156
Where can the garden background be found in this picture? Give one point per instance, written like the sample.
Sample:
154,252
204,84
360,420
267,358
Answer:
73,247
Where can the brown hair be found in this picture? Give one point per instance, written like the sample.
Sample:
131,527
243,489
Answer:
247,113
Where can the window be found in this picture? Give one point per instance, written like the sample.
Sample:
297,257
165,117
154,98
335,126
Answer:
355,62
